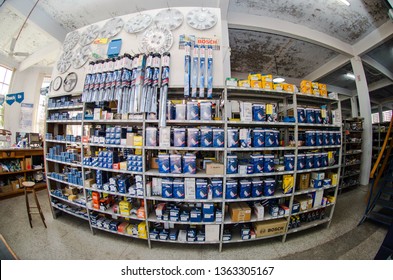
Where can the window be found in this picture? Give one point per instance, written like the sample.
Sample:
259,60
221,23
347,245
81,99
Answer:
42,104
5,80
386,116
375,118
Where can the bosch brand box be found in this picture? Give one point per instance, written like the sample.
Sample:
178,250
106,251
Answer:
271,227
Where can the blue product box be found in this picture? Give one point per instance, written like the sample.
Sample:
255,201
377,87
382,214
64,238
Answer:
173,234
208,217
175,162
189,164
218,137
257,163
316,184
301,161
258,138
327,182
217,187
301,115
163,164
324,160
318,116
179,137
184,216
310,138
114,48
332,138
269,187
276,138
206,137
178,188
232,164
201,189
180,111
318,138
309,161
259,112
310,115
151,136
208,208
270,140
245,189
268,163
338,138
195,217
250,169
231,189
192,111
317,160
167,188
256,188
245,138
289,162
325,138
206,111
193,137
233,138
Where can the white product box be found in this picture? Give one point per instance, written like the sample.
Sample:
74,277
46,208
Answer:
212,232
189,188
156,186
318,198
165,137
259,210
318,175
246,111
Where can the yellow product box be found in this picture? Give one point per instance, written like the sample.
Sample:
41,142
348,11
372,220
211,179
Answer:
331,199
278,87
267,85
132,229
255,84
138,140
334,177
322,86
254,77
89,182
142,232
323,92
305,84
288,183
244,83
314,85
72,197
288,87
123,165
138,152
267,78
306,90
316,92
125,207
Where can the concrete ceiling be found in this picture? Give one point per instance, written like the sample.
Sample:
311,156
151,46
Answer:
309,39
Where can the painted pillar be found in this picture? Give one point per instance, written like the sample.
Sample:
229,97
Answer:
354,106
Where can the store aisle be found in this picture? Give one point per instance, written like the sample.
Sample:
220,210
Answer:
68,237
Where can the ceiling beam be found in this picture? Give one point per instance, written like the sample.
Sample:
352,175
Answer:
377,66
38,17
289,29
380,84
39,56
374,39
329,67
339,90
8,61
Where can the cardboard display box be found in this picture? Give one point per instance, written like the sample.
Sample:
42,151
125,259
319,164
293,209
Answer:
271,227
303,181
213,168
240,212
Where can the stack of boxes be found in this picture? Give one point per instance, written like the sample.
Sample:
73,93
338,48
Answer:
177,164
135,163
57,153
309,87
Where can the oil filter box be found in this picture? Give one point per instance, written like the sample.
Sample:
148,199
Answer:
218,137
258,112
245,137
289,162
232,164
301,115
193,137
310,115
189,164
217,187
310,138
192,111
151,136
180,112
163,164
178,188
231,189
258,163
257,187
301,161
245,189
270,140
269,187
233,138
167,188
179,137
206,137
175,163
309,161
271,227
201,189
258,138
268,163
206,111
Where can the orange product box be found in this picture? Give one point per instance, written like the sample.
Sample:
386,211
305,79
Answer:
322,86
278,87
267,78
289,87
323,92
96,204
267,85
316,92
95,196
255,84
306,90
122,227
315,85
85,139
140,213
305,84
116,166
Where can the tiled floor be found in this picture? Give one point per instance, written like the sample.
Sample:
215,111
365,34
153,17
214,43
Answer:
68,237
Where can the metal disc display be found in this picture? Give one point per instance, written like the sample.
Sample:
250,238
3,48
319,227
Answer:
70,81
89,35
64,62
201,19
138,23
112,27
157,39
81,56
170,18
56,83
70,41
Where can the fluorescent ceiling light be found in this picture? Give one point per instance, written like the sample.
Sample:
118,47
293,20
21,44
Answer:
350,75
345,2
278,80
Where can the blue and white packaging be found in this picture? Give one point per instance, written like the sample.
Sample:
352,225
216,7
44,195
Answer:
318,116
206,111
245,189
310,115
338,138
332,138
268,163
318,138
217,187
175,162
245,137
167,187
258,138
256,187
317,160
192,111
201,189
289,162
193,137
180,112
310,138
301,161
309,161
316,184
179,137
206,137
259,112
276,138
325,138
324,159
270,140
151,136
218,137
233,137
257,163
301,115
231,189
232,163
269,186
189,164
163,164
178,188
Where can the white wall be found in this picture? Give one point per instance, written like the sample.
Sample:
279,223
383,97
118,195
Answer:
29,81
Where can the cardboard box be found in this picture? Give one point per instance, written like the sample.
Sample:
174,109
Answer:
271,227
303,181
71,190
89,182
130,139
305,202
28,164
15,185
6,188
154,163
318,175
213,168
240,212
